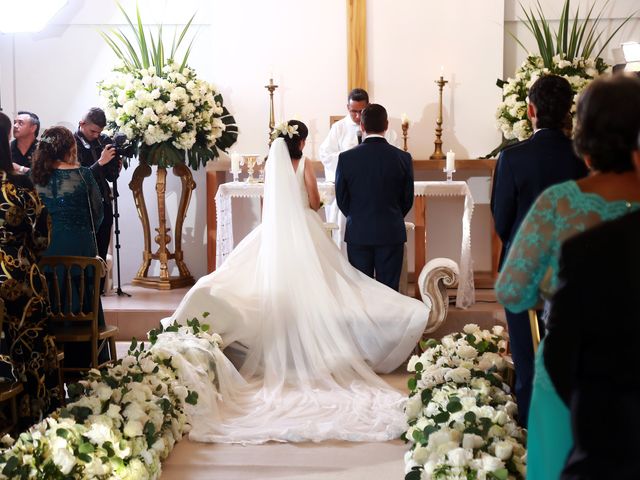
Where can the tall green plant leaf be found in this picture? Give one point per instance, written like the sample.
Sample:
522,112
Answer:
580,40
137,51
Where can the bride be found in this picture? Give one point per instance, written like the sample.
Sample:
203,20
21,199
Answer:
310,327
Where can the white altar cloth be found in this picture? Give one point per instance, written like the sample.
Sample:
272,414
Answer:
224,214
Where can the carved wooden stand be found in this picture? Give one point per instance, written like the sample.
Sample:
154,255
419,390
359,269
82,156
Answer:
164,281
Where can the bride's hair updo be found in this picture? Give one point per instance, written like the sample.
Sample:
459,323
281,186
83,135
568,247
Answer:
294,132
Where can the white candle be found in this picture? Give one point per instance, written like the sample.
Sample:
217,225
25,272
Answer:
442,70
235,163
404,119
451,161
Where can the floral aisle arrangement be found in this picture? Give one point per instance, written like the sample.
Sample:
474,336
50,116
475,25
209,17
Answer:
121,422
160,104
460,412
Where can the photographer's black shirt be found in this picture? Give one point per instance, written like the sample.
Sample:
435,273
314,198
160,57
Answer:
18,157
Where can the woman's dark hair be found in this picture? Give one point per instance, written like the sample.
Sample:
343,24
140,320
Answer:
54,145
293,143
6,164
608,123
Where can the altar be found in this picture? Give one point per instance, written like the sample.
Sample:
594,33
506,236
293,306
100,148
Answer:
224,241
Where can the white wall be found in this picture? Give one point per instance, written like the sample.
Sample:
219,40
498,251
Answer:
303,43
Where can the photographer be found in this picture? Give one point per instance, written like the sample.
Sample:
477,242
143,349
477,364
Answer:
95,150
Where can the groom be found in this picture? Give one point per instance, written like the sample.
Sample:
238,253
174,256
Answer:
374,190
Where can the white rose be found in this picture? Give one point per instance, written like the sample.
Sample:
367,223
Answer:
491,463
471,440
504,450
498,330
420,455
459,457
471,328
99,433
501,418
467,352
411,366
458,375
62,456
413,406
133,428
147,364
449,342
103,391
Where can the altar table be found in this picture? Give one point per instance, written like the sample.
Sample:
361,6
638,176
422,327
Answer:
465,294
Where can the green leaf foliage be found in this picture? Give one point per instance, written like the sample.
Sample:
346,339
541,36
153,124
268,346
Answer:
575,37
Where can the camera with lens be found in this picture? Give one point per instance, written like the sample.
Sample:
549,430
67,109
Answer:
122,145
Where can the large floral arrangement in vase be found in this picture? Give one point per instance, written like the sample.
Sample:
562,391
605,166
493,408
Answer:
569,52
172,118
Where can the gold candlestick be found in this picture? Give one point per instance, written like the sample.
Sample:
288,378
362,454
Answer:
272,122
405,131
437,153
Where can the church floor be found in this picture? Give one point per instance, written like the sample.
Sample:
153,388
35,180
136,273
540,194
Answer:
336,460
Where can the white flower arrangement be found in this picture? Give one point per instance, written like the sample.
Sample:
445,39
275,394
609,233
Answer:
284,129
121,423
460,413
168,113
511,115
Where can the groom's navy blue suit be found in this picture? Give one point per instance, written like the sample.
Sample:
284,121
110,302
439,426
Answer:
374,190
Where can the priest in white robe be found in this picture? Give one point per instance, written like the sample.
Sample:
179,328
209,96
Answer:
344,134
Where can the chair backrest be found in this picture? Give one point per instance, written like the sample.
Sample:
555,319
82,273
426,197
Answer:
535,329
73,285
334,118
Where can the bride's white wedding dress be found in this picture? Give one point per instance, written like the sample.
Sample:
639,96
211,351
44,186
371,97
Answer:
313,328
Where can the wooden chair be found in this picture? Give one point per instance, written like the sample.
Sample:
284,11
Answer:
9,391
74,295
535,329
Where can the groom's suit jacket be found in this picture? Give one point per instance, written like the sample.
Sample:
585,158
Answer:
591,351
374,190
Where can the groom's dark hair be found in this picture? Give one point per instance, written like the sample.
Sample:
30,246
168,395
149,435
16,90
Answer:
374,118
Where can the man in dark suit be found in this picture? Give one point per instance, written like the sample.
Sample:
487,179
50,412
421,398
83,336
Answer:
523,171
591,352
374,190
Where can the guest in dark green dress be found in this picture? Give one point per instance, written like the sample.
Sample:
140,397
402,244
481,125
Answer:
73,199
24,234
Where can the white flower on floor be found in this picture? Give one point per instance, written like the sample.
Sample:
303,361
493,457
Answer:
460,412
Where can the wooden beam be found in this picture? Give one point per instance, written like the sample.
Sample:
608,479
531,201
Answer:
356,44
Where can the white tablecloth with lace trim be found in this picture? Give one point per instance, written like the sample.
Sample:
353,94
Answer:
224,215
465,294
466,291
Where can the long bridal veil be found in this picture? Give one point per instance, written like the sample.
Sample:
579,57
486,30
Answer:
312,326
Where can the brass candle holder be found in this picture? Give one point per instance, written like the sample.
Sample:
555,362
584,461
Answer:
272,122
437,153
405,132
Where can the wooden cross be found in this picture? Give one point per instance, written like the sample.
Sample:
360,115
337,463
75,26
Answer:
356,44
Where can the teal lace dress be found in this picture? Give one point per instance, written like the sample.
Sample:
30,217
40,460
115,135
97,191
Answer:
74,202
529,273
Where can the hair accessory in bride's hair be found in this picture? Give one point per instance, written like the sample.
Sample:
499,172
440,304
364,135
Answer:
284,129
48,140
